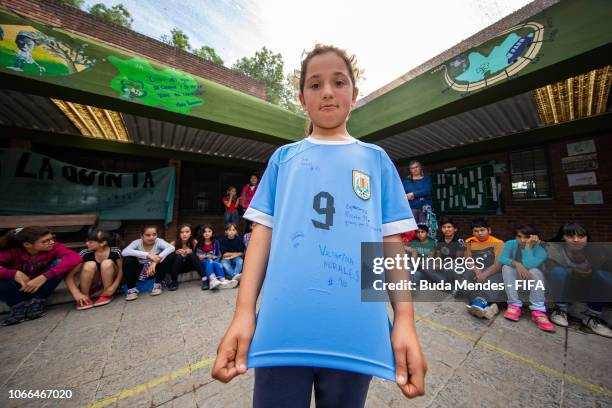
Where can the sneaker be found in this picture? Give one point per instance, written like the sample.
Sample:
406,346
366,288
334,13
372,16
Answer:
18,314
103,300
542,321
132,294
87,305
481,308
559,317
513,312
36,310
173,286
214,284
228,284
596,325
157,289
237,277
205,284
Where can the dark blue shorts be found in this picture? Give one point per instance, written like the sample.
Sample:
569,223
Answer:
292,387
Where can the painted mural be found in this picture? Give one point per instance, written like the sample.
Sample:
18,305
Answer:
166,88
25,49
496,60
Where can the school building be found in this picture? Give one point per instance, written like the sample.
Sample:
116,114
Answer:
513,123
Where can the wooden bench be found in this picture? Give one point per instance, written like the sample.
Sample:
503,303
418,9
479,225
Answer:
58,223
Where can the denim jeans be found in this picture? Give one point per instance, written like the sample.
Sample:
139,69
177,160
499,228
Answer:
560,279
211,267
537,293
232,267
11,295
230,216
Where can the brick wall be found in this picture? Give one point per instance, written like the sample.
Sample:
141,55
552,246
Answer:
546,215
54,13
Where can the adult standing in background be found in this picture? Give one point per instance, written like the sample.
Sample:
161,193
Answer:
248,191
418,191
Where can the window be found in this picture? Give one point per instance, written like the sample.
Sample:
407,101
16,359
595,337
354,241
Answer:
529,174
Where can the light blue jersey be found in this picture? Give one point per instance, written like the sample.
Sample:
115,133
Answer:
322,199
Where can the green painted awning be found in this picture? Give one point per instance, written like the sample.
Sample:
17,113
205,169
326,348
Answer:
52,62
566,39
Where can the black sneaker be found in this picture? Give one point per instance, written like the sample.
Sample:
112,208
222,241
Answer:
18,314
36,310
173,286
205,284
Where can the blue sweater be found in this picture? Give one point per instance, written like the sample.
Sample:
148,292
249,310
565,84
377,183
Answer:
532,258
421,190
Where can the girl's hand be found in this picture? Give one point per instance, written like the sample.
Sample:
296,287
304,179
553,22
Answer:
151,270
34,284
81,299
187,251
410,196
154,258
21,278
523,272
410,365
232,351
583,271
202,257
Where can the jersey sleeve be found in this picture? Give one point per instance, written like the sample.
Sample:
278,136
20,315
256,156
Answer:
261,208
396,214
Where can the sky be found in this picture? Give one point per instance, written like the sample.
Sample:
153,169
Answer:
389,37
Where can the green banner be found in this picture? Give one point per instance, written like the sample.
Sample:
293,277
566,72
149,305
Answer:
32,183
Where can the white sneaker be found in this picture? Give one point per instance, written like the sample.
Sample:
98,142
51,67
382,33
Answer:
132,294
214,284
237,277
228,284
157,289
596,324
559,317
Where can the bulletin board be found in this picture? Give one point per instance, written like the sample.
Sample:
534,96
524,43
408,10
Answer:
474,189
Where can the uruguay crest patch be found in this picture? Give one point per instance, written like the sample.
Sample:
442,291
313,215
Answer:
361,185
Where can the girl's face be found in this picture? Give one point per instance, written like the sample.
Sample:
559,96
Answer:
415,170
522,238
42,244
208,233
149,236
328,94
448,230
231,233
95,245
232,191
254,180
576,242
185,233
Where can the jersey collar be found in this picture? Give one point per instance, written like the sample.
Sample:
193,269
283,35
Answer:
330,142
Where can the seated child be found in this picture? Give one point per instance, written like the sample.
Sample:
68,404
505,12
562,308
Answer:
522,259
450,246
209,254
102,267
484,248
32,264
184,258
144,258
232,250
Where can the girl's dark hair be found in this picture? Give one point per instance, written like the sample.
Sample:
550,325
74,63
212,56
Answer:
525,230
178,242
146,227
99,235
570,229
203,229
320,49
447,220
32,234
230,225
